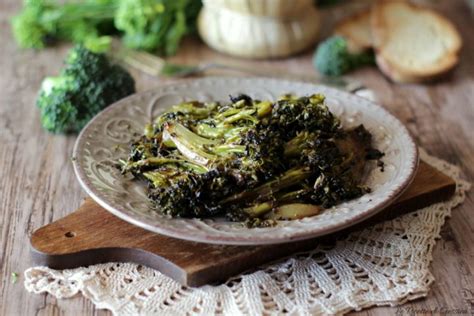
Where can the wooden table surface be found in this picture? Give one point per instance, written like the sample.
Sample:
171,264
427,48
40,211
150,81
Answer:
37,183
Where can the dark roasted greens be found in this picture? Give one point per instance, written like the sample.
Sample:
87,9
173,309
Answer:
250,160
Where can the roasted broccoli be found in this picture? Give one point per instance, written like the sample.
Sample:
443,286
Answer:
248,159
333,58
87,84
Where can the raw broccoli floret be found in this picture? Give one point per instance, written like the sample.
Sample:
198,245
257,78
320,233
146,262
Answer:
28,30
87,84
333,58
151,25
42,22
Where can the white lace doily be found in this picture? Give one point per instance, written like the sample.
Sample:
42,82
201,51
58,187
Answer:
387,264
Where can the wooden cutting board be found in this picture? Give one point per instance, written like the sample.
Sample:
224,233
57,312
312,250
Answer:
91,235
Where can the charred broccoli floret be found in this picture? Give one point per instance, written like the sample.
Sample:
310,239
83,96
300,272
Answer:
248,158
193,194
87,84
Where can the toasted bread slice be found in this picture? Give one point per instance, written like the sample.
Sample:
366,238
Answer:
413,44
356,30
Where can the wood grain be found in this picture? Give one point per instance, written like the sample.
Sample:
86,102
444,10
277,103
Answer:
91,235
37,183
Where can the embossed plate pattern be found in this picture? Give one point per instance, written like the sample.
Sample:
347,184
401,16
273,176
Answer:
105,139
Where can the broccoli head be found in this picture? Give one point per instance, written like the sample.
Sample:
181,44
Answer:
333,58
194,194
27,27
291,115
42,22
87,84
152,24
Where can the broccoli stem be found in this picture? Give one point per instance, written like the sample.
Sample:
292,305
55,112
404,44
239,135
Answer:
77,11
222,115
202,151
226,149
294,146
264,108
259,209
158,161
177,130
194,109
165,176
265,191
208,131
158,179
242,115
291,196
189,144
219,131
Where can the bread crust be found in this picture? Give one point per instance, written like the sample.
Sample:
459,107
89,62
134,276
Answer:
398,72
394,73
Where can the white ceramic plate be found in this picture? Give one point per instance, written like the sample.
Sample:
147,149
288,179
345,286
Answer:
105,139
